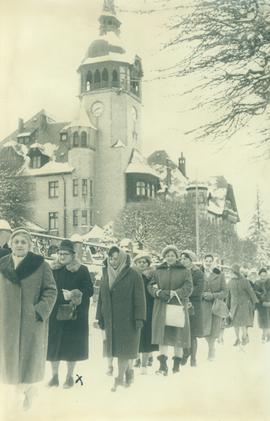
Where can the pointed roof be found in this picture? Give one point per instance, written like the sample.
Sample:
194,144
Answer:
138,164
81,121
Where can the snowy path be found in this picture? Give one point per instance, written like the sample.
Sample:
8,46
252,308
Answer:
236,386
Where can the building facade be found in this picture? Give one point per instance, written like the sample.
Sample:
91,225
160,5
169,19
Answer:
84,171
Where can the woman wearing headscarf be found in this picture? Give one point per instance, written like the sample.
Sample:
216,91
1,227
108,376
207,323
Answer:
195,315
242,300
68,335
171,284
27,296
143,264
121,311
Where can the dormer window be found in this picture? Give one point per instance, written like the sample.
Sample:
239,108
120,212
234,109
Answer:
36,161
63,136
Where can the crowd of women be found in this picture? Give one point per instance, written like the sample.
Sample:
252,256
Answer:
141,309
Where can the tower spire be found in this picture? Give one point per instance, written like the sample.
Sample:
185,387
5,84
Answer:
109,7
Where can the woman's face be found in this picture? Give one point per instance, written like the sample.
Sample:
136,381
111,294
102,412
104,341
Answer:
208,262
170,258
65,258
185,261
114,260
263,276
20,245
142,264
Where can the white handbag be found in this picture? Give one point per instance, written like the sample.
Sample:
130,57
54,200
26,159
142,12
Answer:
175,314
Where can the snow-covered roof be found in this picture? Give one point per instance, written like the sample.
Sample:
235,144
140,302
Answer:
82,120
24,134
123,58
138,165
18,148
47,149
51,167
32,226
95,233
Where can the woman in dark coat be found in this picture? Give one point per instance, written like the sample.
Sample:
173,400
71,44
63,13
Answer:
242,300
214,288
143,263
27,296
262,291
195,316
68,339
121,311
171,282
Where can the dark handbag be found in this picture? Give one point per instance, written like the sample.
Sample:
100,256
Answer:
220,308
66,312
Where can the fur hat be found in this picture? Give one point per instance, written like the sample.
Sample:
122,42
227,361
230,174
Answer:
190,255
170,248
145,256
67,245
22,231
4,225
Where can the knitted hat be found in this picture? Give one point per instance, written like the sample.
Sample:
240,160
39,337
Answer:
4,225
190,255
67,245
145,256
21,231
170,248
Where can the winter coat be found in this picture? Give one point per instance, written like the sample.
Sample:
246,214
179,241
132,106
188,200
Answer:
241,301
27,297
262,291
118,310
146,332
196,319
4,251
170,278
68,339
216,285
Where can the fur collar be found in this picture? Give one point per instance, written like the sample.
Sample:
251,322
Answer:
27,267
74,266
177,265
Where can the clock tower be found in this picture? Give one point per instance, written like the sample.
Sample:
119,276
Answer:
110,93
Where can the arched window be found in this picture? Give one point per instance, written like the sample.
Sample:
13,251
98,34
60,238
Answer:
83,139
115,82
105,78
89,81
97,79
76,139
140,188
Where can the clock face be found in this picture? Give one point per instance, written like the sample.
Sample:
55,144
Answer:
97,109
134,113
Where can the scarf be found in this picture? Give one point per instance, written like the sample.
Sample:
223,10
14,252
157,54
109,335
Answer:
114,273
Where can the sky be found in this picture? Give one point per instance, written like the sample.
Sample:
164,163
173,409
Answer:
41,46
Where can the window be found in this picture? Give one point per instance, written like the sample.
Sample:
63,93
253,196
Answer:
140,188
115,78
105,78
97,79
83,139
75,187
84,217
53,221
63,136
36,161
89,81
148,190
53,189
153,191
91,188
76,139
84,186
91,217
75,217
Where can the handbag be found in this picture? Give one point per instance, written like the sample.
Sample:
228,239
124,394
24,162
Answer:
175,314
220,308
66,312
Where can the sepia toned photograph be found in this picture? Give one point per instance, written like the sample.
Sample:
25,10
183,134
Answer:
134,210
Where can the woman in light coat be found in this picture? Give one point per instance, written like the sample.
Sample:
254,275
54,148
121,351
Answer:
27,296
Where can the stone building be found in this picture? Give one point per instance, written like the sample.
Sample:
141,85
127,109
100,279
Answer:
84,171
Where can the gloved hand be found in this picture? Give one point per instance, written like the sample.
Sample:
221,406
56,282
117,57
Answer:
164,295
76,297
138,324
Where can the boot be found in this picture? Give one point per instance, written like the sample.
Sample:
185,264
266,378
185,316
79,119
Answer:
68,383
54,381
129,377
117,383
245,340
185,356
137,363
163,369
237,342
110,371
176,364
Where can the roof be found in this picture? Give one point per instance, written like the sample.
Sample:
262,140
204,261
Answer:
82,120
138,164
32,226
95,233
122,58
51,167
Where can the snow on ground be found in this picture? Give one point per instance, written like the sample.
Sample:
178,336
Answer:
233,387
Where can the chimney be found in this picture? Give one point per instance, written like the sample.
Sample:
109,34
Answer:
182,164
20,125
169,173
42,122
